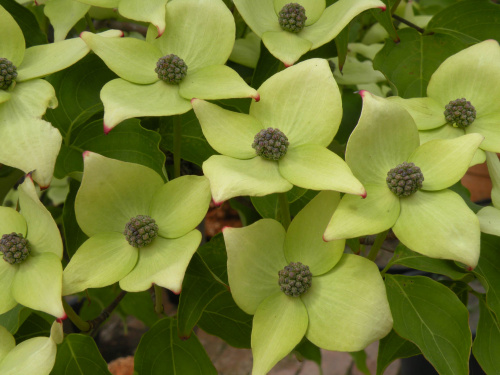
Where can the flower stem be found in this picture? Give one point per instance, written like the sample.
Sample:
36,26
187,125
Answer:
408,23
284,210
177,145
95,323
90,23
75,318
158,297
379,240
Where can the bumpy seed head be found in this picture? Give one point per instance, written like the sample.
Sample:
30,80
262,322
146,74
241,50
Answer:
292,17
140,231
295,279
15,248
460,113
8,73
271,144
405,179
171,69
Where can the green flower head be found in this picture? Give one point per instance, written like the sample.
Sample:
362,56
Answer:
407,185
289,29
297,285
462,98
489,217
159,76
282,141
142,231
31,247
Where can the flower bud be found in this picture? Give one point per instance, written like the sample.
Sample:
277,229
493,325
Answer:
140,231
295,279
15,248
171,69
460,113
271,144
405,179
292,17
8,73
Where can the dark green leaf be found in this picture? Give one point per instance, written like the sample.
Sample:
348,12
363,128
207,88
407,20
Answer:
161,351
33,326
268,206
341,41
247,213
97,300
488,270
431,316
410,63
384,17
267,66
73,235
306,349
78,355
215,257
360,361
8,178
393,347
26,21
460,288
141,306
127,142
487,343
351,103
435,6
14,318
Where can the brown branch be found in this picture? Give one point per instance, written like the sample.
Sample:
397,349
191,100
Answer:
95,323
406,22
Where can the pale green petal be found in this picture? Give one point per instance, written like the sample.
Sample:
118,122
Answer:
163,263
444,162
233,177
357,217
254,258
63,15
11,221
132,59
489,220
302,101
279,324
201,32
123,100
347,307
100,261
439,224
384,138
7,342
13,46
229,133
112,192
494,170
489,127
7,273
147,11
180,205
335,18
317,168
30,145
38,284
259,15
246,51
35,356
4,96
356,72
40,61
56,332
314,8
29,99
286,46
43,234
215,82
472,73
304,239
427,113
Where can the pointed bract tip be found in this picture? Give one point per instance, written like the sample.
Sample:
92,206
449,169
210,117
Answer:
256,97
362,93
287,65
36,3
85,154
160,31
383,8
364,195
177,292
225,227
106,128
470,268
324,239
218,204
122,35
193,100
60,320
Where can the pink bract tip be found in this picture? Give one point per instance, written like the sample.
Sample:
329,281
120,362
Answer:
192,100
225,227
362,93
287,65
218,204
85,154
324,239
383,8
107,129
60,320
364,195
470,268
257,97
177,292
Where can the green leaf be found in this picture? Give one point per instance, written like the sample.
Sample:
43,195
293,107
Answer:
431,316
267,66
487,342
8,178
129,142
34,326
460,288
469,21
393,347
360,361
385,19
409,258
410,63
488,270
341,41
14,318
195,147
26,21
97,300
79,355
78,89
73,235
141,306
161,351
268,206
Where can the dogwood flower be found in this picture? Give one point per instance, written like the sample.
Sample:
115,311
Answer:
142,231
300,107
406,185
297,285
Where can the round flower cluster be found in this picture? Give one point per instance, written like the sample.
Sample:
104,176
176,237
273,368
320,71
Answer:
140,231
405,179
8,73
292,17
15,248
460,113
171,69
271,144
295,279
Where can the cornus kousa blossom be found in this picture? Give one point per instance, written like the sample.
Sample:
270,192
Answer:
282,141
297,285
161,75
142,231
290,29
406,185
462,98
31,246
489,217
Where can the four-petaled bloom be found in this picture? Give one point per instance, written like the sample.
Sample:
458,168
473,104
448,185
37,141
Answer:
141,230
345,307
489,217
471,75
31,270
300,107
321,26
430,220
200,34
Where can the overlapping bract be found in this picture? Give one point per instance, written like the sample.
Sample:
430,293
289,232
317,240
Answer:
489,217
